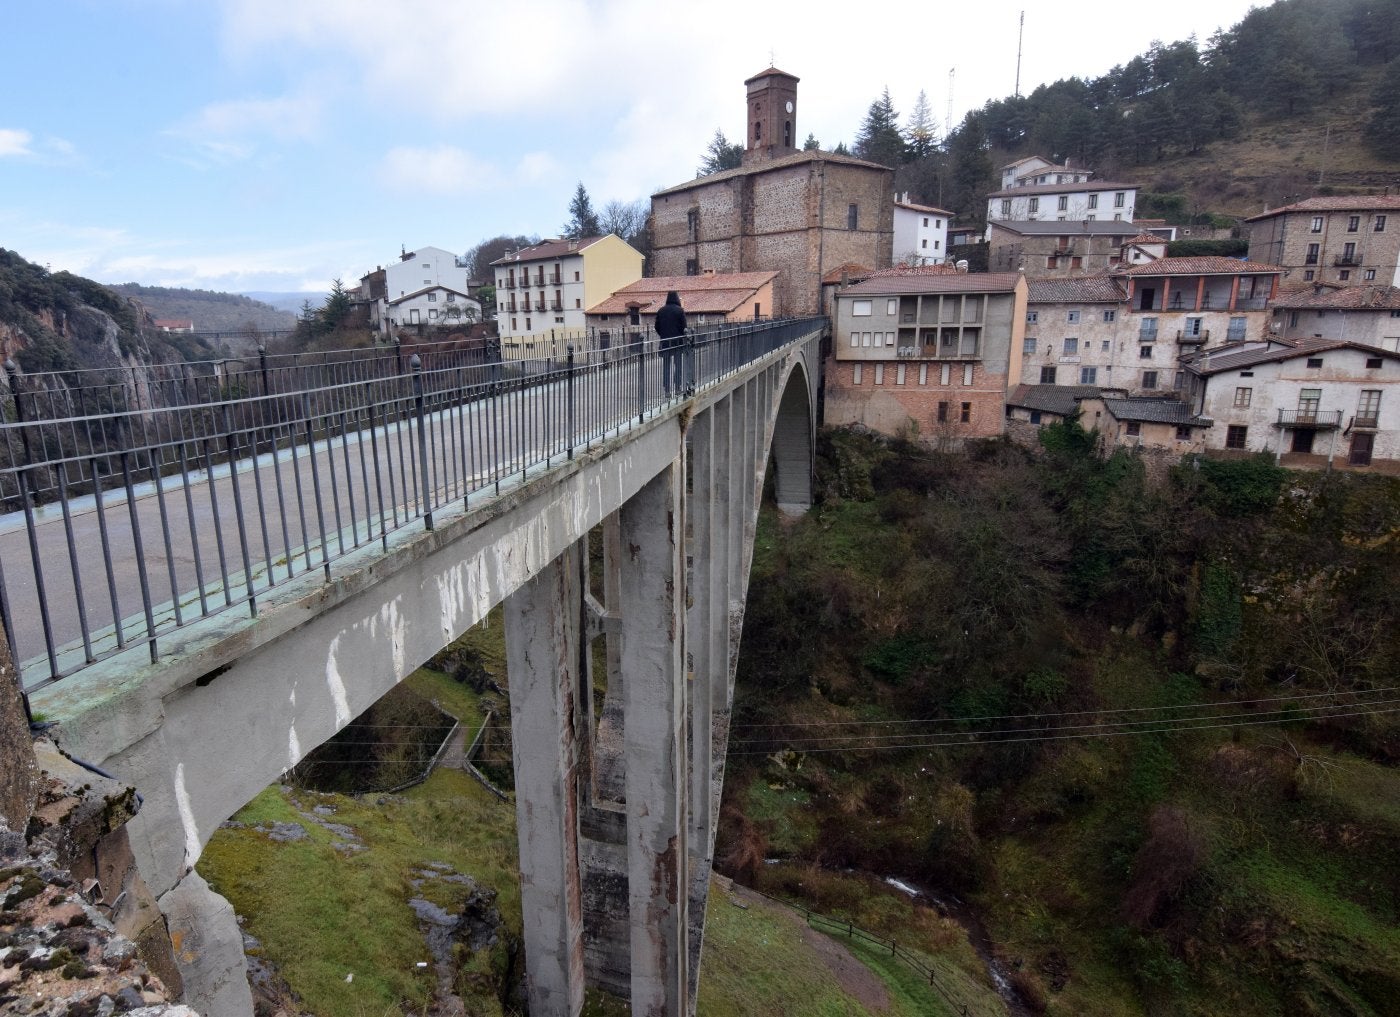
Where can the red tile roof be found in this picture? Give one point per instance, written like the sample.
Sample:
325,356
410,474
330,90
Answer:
769,72
923,208
1344,298
850,271
945,268
1348,203
720,293
795,159
1085,289
958,282
1216,361
1203,265
1083,185
547,249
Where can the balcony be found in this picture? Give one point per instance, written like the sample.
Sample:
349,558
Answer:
1203,336
539,306
1347,261
555,305
1321,420
1366,421
554,280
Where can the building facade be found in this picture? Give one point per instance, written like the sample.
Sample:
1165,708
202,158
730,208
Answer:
1349,241
928,354
430,305
543,291
794,212
1037,189
920,233
707,299
1321,398
1364,314
1062,250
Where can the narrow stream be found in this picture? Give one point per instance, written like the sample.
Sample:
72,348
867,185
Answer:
960,912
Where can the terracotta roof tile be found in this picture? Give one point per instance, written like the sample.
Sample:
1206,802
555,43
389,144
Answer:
548,249
1214,361
1354,298
1347,203
958,282
1203,265
923,208
1085,289
945,268
720,293
796,159
850,271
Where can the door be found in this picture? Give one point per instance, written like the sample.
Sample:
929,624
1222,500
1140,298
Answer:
1146,296
1303,440
413,316
1361,445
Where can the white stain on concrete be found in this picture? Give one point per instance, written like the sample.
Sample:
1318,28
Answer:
182,802
335,682
293,748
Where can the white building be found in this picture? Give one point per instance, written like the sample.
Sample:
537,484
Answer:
543,291
432,305
410,282
1324,398
1364,314
920,233
1035,189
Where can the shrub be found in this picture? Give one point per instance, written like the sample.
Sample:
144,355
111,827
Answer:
1175,850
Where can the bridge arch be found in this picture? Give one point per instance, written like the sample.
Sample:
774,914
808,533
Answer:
203,730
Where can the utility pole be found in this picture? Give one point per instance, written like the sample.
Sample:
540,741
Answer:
1020,34
948,120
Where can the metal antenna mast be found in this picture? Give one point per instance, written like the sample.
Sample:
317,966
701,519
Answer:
948,120
1020,34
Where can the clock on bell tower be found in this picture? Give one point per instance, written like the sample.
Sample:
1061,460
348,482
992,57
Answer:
771,114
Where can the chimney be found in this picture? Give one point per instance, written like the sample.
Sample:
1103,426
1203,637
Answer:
962,266
573,245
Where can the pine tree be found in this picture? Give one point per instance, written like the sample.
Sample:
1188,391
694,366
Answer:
879,139
921,135
1383,132
811,144
720,155
583,221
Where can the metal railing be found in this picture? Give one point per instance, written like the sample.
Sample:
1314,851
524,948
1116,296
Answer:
132,517
1309,418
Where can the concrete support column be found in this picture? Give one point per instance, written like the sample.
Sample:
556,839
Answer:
653,643
542,647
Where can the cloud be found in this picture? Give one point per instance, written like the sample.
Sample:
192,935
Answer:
14,142
442,169
232,131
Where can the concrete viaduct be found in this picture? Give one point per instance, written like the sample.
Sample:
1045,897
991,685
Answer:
616,807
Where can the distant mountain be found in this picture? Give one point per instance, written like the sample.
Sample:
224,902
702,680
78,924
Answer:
210,311
290,302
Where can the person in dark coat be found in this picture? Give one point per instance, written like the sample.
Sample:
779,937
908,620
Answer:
670,328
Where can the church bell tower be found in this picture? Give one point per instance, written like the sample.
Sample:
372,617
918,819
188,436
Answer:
771,114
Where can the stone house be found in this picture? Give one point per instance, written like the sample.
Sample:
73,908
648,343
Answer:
1164,424
1330,398
1076,334
1063,250
927,352
1352,241
1364,314
798,213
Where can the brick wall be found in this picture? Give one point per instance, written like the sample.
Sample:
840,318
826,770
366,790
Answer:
880,401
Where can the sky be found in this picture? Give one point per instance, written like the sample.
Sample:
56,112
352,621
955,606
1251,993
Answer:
275,145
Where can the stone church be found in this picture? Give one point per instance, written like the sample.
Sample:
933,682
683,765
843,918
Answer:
798,213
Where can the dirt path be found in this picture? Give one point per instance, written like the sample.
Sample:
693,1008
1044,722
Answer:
855,978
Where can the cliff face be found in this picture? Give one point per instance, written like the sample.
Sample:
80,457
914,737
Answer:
60,321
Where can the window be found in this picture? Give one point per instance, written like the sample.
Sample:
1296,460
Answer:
1242,397
1308,275
1308,401
1028,346
855,338
965,416
1373,362
1110,315
1072,317
892,306
432,313
852,216
692,223
1235,333
1035,416
1183,432
1193,327
861,308
924,244
692,266
1088,376
1316,224
1118,199
1144,352
1380,224
1349,253
942,413
1071,347
1236,436
1311,257
1246,374
1107,345
1093,201
1369,274
451,298
1344,275
1314,361
925,221
1353,223
1133,428
1006,208
1032,315
432,298
1047,376
1063,205
1147,330
1368,408
1035,205
1149,379
575,277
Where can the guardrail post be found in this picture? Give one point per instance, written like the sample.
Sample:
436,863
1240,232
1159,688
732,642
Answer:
688,382
262,369
416,364
641,341
569,399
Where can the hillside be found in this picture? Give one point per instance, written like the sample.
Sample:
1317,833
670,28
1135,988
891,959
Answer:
210,311
60,321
